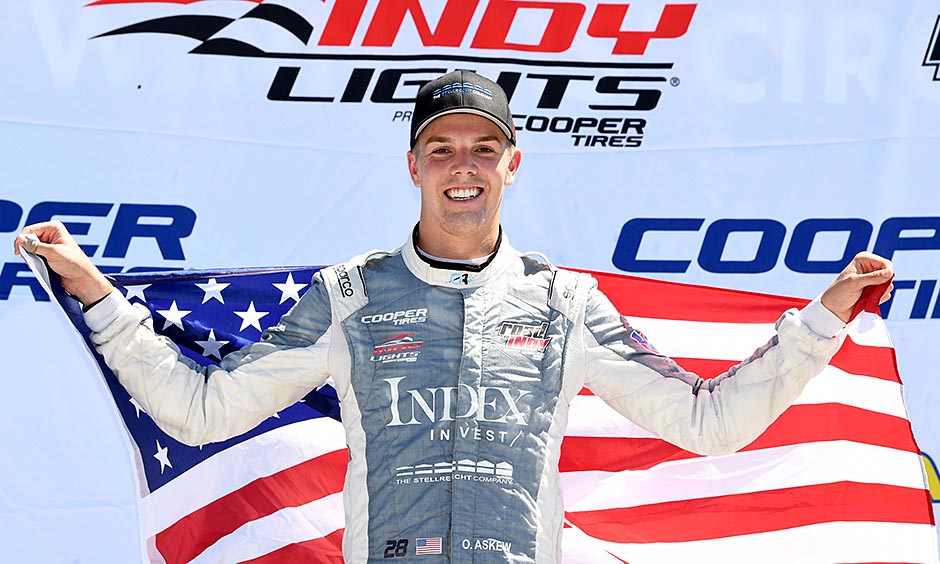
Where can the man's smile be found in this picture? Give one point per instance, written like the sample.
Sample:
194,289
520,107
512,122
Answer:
463,193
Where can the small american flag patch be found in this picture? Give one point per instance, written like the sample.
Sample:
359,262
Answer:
430,545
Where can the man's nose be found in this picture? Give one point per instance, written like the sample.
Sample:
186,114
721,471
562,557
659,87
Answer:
464,163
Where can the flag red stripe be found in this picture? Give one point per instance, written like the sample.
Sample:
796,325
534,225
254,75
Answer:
324,550
635,297
705,367
759,512
292,487
798,424
874,362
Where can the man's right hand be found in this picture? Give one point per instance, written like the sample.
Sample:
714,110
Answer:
80,277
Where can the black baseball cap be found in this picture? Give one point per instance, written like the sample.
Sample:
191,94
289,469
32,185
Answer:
461,92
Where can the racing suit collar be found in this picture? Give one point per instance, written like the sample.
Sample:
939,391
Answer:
458,275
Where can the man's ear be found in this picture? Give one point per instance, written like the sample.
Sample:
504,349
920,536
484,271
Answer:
413,168
515,160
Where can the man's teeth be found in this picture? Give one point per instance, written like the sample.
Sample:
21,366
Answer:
463,193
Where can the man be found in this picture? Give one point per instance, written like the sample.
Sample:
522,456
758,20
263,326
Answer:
455,358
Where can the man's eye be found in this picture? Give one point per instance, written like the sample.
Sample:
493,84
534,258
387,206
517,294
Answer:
441,150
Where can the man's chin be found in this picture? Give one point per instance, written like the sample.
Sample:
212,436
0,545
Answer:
468,224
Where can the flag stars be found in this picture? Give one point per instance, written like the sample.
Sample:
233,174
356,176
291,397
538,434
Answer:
173,316
251,317
136,292
212,346
213,290
163,457
289,290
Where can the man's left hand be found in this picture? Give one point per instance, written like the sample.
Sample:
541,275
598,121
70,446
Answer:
866,269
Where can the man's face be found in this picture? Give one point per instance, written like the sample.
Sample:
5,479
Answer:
461,163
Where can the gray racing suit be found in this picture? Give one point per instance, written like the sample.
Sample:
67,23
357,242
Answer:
455,384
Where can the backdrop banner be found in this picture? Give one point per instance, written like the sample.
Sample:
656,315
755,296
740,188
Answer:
747,145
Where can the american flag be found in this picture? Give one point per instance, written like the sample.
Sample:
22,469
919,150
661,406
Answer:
428,545
838,478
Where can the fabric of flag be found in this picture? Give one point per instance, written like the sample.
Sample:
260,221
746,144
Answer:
272,495
838,477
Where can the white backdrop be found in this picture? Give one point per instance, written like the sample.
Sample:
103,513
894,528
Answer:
194,144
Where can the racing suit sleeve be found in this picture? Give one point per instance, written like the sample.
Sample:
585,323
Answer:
198,405
714,416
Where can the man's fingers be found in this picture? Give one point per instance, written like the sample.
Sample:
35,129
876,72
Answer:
31,243
40,237
874,278
25,240
868,263
877,278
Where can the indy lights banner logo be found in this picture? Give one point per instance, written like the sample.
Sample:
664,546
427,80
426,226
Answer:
574,71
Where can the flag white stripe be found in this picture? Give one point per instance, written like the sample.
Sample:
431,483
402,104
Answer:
704,339
228,471
743,472
834,385
267,534
591,417
822,543
869,330
714,339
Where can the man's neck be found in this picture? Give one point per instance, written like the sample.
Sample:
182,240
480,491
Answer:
450,248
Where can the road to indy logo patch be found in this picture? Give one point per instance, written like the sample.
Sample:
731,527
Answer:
524,337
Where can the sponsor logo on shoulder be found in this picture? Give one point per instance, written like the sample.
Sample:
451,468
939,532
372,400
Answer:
345,284
402,317
524,337
642,342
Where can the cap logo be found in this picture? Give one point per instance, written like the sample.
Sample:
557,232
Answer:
463,87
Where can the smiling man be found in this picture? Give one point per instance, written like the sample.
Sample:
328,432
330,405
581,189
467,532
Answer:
463,155
462,163
455,358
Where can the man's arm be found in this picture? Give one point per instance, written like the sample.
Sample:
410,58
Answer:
188,403
721,414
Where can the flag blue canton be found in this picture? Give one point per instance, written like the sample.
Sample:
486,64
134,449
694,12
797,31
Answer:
207,314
